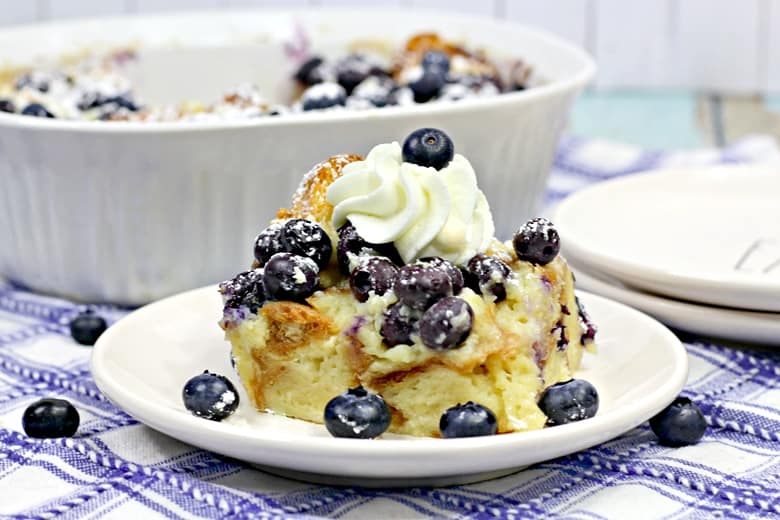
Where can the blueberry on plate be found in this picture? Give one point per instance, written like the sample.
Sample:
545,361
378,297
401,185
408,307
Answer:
446,324
36,110
419,285
357,414
679,424
372,274
50,419
290,277
569,401
487,275
210,396
87,327
323,95
6,105
467,420
428,147
399,322
537,242
306,238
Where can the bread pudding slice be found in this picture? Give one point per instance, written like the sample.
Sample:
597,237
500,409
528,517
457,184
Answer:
423,332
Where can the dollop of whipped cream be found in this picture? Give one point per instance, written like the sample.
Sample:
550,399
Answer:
424,212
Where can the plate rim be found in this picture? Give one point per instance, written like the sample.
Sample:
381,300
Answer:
669,282
565,438
721,318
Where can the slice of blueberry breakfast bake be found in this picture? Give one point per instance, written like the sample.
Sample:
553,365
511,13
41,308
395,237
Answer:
380,299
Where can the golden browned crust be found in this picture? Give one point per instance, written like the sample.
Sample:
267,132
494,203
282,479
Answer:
309,201
293,325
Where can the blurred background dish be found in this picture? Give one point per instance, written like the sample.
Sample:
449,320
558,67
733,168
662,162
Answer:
708,235
709,321
130,212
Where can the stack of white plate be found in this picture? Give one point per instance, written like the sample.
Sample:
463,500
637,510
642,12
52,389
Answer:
699,249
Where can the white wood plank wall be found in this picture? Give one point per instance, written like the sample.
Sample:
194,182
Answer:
726,46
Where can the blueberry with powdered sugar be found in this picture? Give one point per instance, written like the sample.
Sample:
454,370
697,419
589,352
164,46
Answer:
399,323
312,71
374,91
569,401
467,420
373,274
210,396
351,246
352,69
306,238
419,285
244,290
268,242
446,324
488,275
357,414
455,274
323,95
290,277
537,242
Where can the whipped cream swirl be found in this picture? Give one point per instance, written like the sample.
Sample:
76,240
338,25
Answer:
424,212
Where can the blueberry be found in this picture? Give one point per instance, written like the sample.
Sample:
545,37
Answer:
467,420
351,70
306,238
210,396
357,414
679,424
245,290
428,147
586,322
36,110
455,274
290,277
569,401
376,90
446,324
399,322
537,242
6,105
488,275
419,286
87,327
428,85
50,419
118,102
311,71
27,81
323,95
372,274
436,59
350,243
268,243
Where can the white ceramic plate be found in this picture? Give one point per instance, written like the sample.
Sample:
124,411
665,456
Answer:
142,362
715,322
708,235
